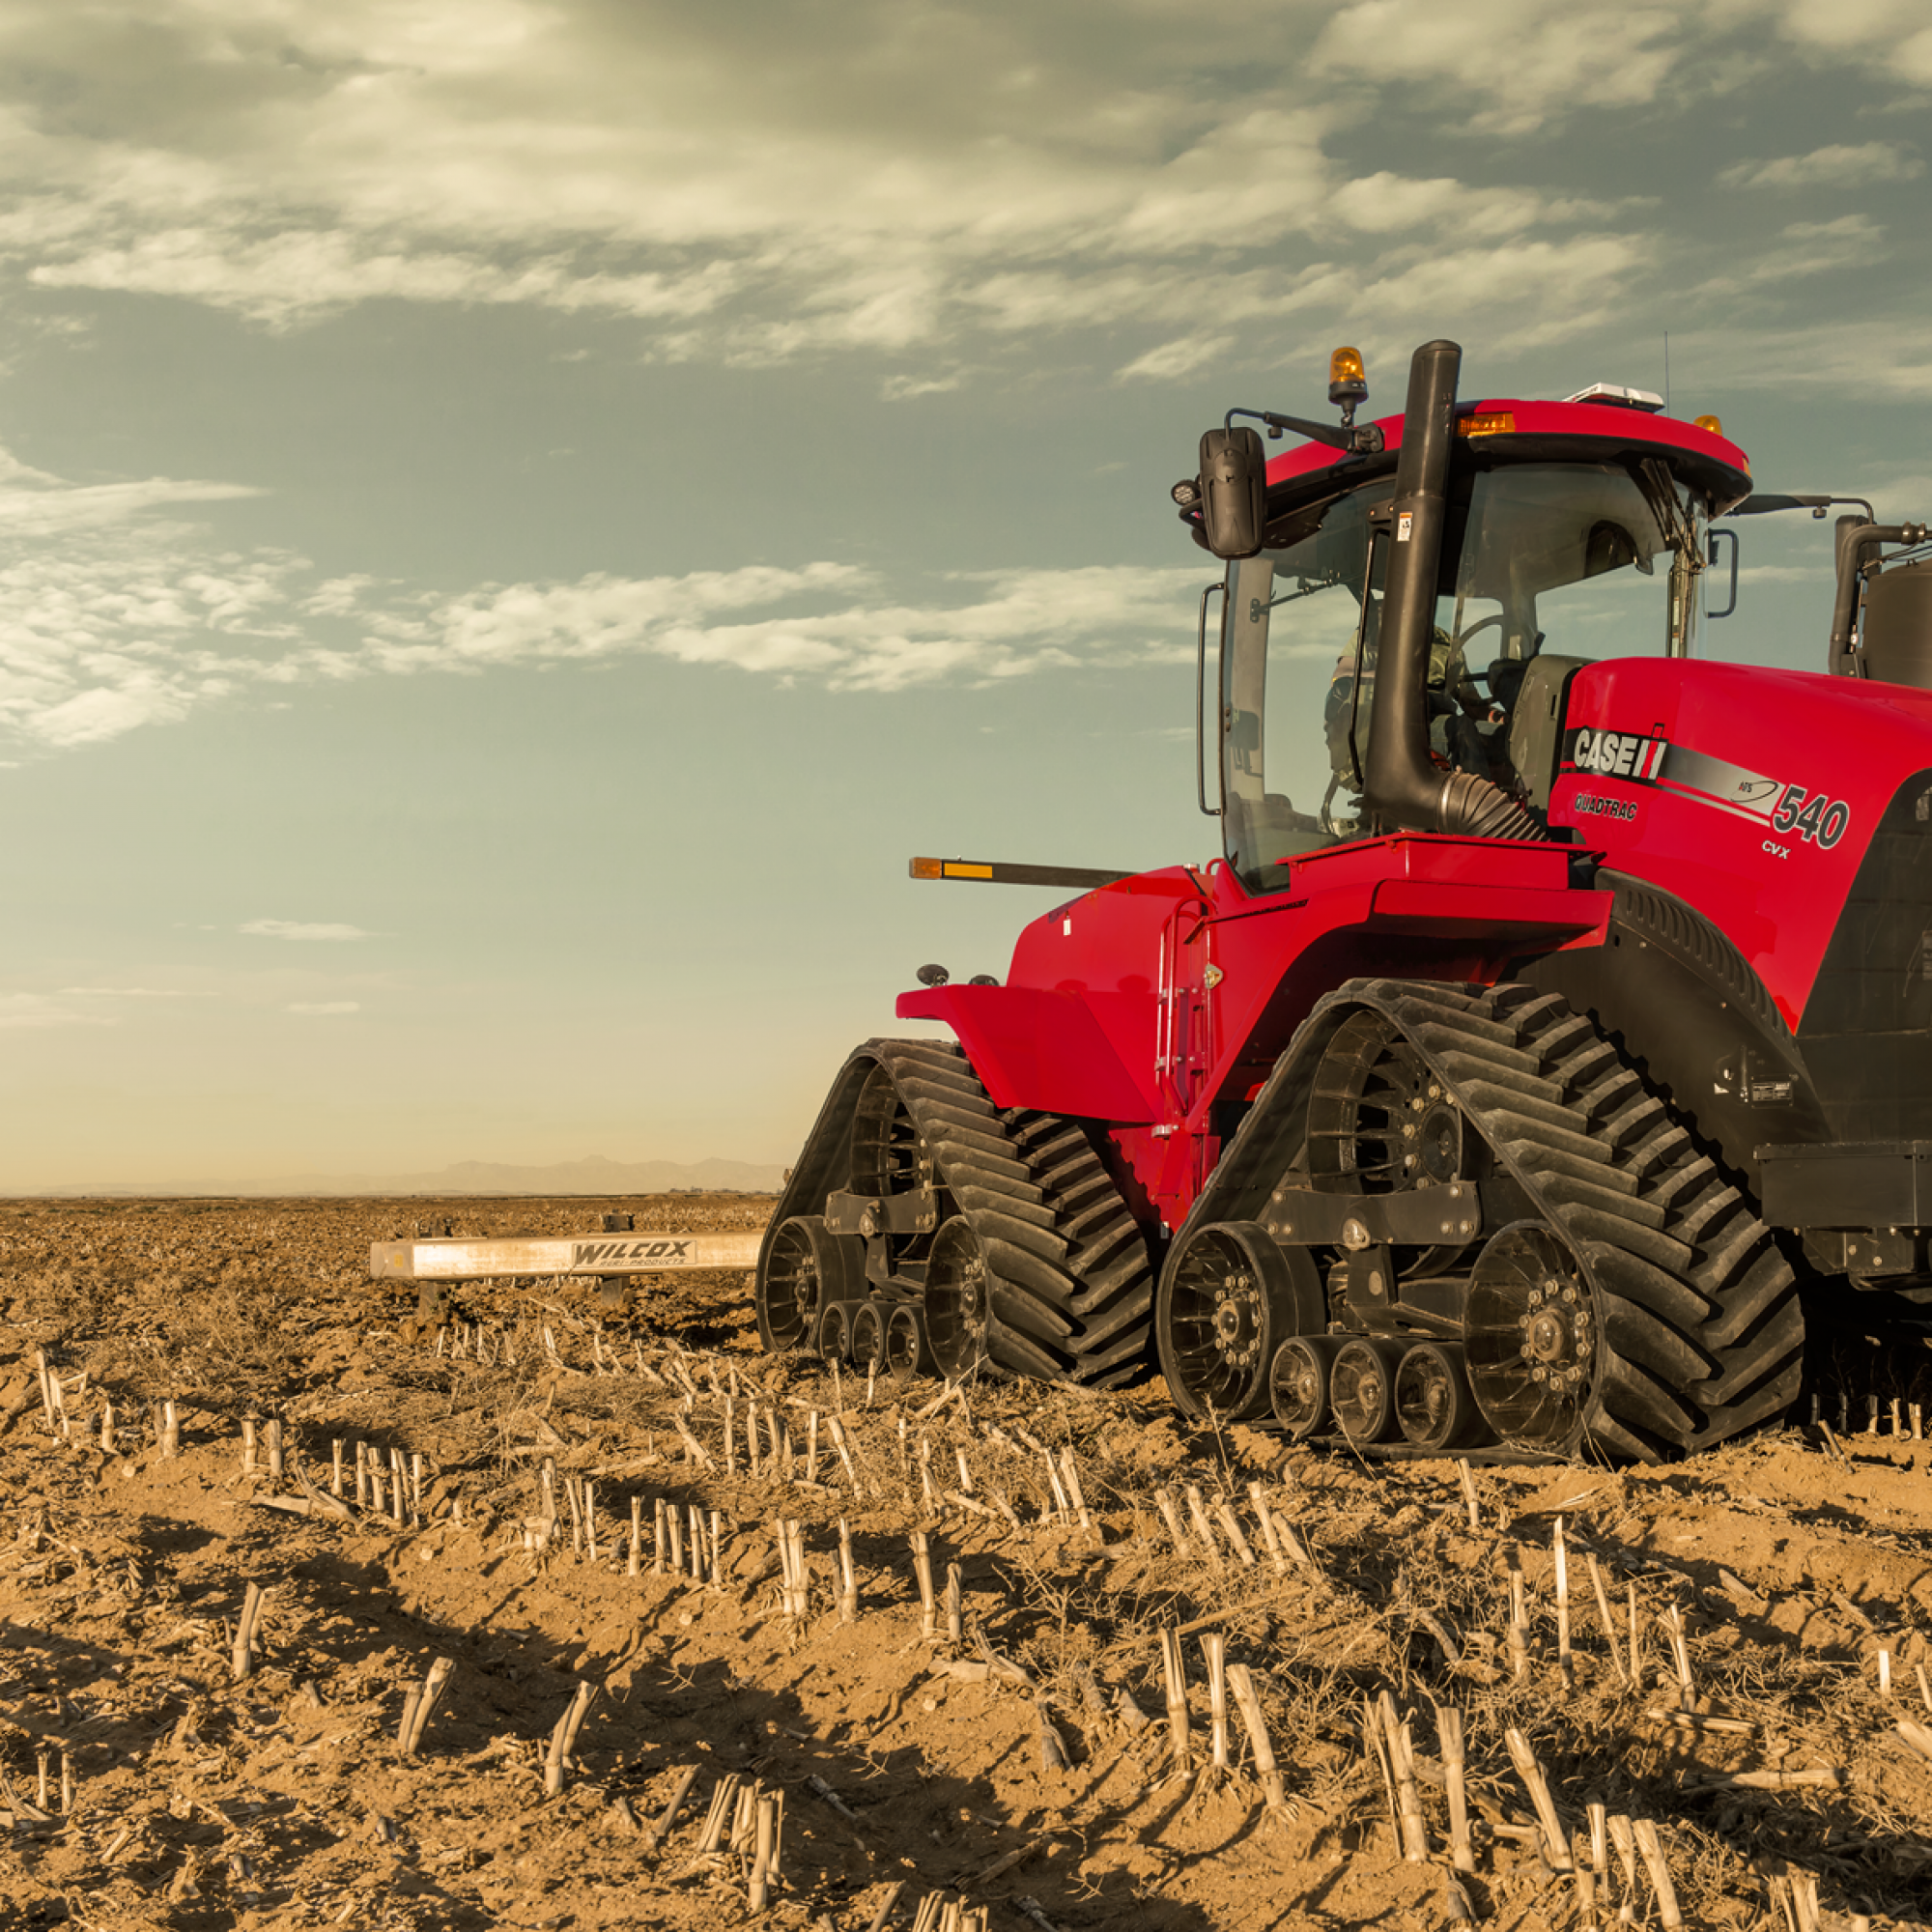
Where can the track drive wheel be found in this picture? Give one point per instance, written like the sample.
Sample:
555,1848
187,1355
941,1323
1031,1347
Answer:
958,1301
806,1268
1361,1388
1534,1340
1434,1402
1229,1298
1298,1384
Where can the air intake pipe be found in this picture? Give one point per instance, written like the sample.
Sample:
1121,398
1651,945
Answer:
1403,785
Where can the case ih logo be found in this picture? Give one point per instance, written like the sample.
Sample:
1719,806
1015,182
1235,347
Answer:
583,1253
1616,753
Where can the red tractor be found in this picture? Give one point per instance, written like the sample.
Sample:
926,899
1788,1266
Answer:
1553,1038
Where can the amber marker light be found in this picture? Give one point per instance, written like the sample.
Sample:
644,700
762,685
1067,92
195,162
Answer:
1486,422
1348,377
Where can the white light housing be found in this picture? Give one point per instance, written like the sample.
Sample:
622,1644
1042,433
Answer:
1617,397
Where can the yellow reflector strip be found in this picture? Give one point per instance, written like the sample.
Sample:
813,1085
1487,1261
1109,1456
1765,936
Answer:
926,869
1495,422
955,870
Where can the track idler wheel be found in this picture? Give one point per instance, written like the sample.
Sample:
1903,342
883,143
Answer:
1361,1388
807,1268
868,1337
1230,1295
1298,1384
1532,1338
907,1354
1434,1402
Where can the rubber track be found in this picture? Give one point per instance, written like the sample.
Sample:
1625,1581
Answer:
1700,1309
1073,1284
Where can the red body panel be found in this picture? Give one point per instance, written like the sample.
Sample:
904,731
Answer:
1711,805
1145,1003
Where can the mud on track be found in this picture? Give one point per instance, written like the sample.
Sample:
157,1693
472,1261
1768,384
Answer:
283,1799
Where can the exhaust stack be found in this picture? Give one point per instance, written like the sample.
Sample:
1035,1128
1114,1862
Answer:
1401,781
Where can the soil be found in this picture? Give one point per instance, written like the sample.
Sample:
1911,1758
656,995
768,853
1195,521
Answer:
1025,1767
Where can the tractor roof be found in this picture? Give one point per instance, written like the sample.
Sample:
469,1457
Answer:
1516,430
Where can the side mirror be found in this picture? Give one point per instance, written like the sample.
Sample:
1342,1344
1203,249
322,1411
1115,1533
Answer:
1233,491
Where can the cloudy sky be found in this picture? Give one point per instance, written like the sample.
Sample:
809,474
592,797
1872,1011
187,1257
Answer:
517,517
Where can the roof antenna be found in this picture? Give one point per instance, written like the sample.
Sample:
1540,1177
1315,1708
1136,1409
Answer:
1666,371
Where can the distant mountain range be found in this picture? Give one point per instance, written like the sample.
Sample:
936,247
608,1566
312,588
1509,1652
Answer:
593,1174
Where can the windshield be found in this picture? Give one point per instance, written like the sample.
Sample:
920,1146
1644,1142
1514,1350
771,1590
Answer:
1583,560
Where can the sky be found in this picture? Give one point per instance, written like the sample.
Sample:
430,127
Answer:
519,517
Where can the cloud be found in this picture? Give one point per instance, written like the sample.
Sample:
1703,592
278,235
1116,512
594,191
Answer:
1829,167
128,993
38,1010
1172,361
302,930
322,1007
749,192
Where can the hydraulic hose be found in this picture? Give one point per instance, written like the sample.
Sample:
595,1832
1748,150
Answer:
1401,781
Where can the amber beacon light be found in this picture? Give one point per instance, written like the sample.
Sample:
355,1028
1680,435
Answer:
1348,380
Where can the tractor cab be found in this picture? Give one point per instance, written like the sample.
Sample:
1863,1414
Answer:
1568,532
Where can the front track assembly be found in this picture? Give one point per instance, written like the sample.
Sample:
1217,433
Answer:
1457,1214
927,1230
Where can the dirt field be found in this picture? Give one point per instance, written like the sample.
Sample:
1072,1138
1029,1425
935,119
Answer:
1025,1767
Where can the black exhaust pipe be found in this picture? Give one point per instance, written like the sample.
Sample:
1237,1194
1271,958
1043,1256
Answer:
1403,783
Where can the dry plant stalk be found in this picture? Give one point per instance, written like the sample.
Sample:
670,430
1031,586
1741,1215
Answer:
697,1545
1240,1681
848,1577
1270,1540
247,1445
273,1430
1648,1844
1561,1558
662,1537
656,1835
1230,1526
718,1819
1175,1675
1197,1517
1164,1500
1557,1841
1408,1796
1215,1647
1071,1471
420,1705
242,1659
955,1609
635,1566
759,1889
1468,1480
563,1737
335,1467
1519,1621
1609,1622
1455,1769
107,1427
1673,1623
170,1432
922,1566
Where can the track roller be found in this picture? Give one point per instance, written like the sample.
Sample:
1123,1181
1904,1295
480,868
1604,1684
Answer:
868,1337
1298,1384
833,1338
1228,1301
1434,1402
809,1268
1361,1388
907,1354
